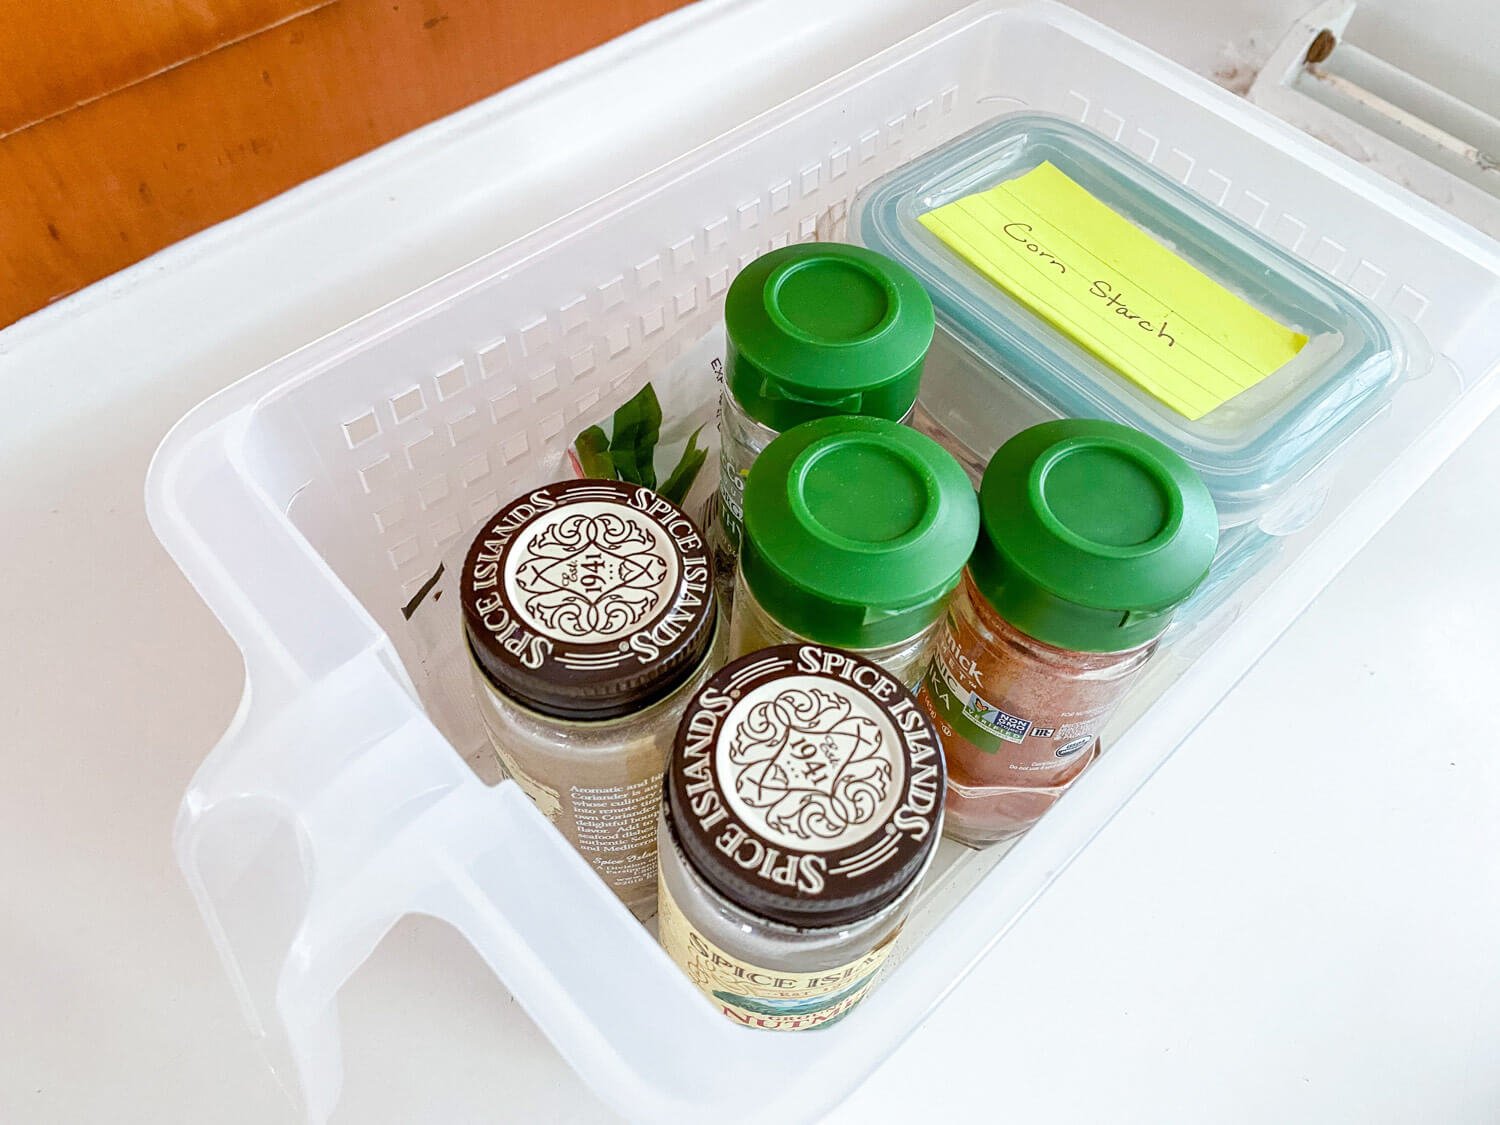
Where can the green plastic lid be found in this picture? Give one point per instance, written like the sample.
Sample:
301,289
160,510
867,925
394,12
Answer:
856,529
1093,533
821,328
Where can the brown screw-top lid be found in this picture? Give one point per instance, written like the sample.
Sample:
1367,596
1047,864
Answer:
588,599
806,785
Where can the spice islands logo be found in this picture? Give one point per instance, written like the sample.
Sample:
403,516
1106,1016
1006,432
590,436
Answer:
814,770
592,576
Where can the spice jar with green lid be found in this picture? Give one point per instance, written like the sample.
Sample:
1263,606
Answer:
812,330
1092,534
856,530
803,805
590,614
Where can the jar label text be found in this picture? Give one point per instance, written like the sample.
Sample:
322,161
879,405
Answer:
756,996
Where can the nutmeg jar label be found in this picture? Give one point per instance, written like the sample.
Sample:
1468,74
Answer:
761,997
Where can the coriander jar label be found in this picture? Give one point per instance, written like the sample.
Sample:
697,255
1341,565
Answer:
761,997
543,796
612,824
806,785
588,599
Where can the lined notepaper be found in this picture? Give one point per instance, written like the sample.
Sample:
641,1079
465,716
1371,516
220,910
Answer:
1115,290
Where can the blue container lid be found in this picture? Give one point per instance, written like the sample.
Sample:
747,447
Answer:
1252,450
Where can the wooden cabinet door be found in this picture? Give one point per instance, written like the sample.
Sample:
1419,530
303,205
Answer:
126,125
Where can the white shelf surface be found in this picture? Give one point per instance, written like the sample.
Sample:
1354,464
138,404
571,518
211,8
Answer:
1295,920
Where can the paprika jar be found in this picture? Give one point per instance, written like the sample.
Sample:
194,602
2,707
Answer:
856,531
590,615
812,330
803,806
1091,534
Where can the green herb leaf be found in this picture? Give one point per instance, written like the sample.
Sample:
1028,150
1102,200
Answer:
593,454
680,483
637,430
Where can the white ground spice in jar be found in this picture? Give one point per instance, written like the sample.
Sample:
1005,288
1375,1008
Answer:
590,613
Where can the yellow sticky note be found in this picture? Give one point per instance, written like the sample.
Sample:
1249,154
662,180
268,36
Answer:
1115,290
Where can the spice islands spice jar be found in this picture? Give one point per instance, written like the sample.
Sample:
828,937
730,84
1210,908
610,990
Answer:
590,613
812,330
856,531
803,805
1091,535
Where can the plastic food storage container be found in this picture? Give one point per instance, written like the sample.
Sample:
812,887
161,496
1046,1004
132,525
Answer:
321,506
1253,450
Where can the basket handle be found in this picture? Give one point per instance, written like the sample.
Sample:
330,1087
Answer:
290,615
307,836
332,808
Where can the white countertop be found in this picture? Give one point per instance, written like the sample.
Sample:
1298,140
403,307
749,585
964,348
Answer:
1295,920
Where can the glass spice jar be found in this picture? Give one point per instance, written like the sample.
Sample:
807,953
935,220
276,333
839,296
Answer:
803,805
856,530
812,330
590,614
1091,535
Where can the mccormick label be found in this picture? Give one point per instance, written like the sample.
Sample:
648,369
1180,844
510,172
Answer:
756,996
1027,734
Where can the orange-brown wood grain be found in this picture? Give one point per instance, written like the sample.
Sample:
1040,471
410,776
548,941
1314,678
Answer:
58,54
112,173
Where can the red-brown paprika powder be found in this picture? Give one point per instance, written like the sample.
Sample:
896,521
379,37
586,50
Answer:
1091,535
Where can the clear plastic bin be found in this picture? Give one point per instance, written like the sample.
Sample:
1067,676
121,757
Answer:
319,505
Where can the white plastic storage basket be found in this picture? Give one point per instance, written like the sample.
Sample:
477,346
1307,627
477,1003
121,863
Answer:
314,503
